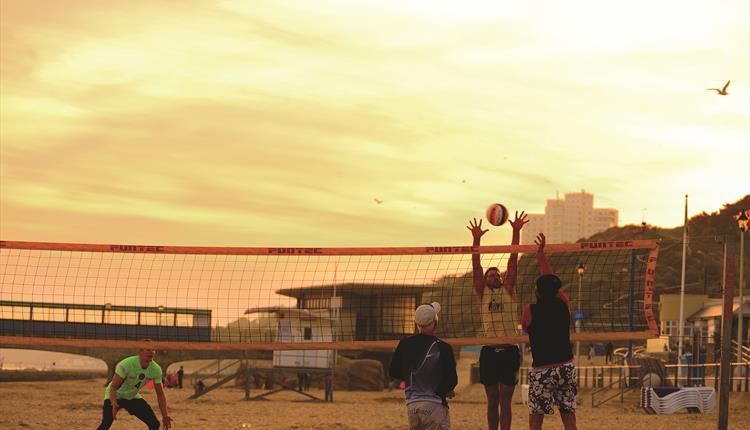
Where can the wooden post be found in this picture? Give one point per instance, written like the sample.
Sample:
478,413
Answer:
586,377
247,383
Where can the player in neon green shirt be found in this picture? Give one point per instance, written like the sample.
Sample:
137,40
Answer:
131,374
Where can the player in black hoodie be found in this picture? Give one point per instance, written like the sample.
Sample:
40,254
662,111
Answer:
552,379
428,367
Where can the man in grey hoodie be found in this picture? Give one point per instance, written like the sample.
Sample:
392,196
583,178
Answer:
427,366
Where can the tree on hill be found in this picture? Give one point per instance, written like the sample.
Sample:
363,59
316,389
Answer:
703,265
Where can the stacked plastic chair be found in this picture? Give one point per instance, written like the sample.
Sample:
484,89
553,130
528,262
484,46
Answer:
671,400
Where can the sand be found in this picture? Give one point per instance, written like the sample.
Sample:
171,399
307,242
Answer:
77,405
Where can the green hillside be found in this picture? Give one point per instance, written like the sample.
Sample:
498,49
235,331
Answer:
704,258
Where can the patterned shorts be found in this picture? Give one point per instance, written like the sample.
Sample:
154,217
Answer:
556,385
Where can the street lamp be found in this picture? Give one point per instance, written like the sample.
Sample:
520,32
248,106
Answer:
742,223
580,269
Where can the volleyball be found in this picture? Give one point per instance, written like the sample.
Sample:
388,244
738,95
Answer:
497,214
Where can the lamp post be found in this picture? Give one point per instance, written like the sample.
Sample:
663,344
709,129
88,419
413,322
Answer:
580,269
742,222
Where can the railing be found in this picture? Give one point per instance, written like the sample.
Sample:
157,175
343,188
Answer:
602,379
707,375
203,373
745,352
606,390
595,376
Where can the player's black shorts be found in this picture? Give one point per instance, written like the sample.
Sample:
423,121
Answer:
137,407
499,364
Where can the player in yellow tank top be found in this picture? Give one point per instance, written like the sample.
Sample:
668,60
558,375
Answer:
498,364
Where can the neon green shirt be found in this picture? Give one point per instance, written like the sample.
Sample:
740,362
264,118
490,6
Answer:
134,377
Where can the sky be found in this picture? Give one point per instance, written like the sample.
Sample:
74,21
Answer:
277,123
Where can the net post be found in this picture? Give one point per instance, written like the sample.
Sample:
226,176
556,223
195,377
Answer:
631,301
726,331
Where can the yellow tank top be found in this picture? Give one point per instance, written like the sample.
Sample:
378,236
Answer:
499,313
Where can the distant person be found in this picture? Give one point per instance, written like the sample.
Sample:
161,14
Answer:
199,387
552,379
180,376
172,380
131,374
592,352
499,363
427,366
303,381
609,350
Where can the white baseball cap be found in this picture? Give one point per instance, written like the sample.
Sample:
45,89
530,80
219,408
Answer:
426,314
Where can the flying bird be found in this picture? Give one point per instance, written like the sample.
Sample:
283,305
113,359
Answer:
723,91
377,200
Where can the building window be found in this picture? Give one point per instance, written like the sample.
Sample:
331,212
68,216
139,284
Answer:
184,320
49,314
120,317
317,303
308,333
85,316
672,328
15,312
157,318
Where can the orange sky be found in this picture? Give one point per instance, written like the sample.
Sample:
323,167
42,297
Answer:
276,123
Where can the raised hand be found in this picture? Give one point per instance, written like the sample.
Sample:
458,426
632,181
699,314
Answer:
520,221
540,242
476,228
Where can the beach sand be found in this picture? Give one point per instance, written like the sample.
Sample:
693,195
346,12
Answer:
77,405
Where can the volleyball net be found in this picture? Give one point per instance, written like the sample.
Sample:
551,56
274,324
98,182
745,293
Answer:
305,298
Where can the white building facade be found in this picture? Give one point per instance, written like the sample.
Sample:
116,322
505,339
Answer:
568,219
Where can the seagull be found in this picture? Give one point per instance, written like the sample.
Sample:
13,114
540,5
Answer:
722,92
377,200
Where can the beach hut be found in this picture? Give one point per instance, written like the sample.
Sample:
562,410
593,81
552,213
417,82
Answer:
365,311
301,326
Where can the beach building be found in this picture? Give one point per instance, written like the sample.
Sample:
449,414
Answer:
569,219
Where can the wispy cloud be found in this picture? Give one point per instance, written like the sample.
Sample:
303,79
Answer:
277,123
